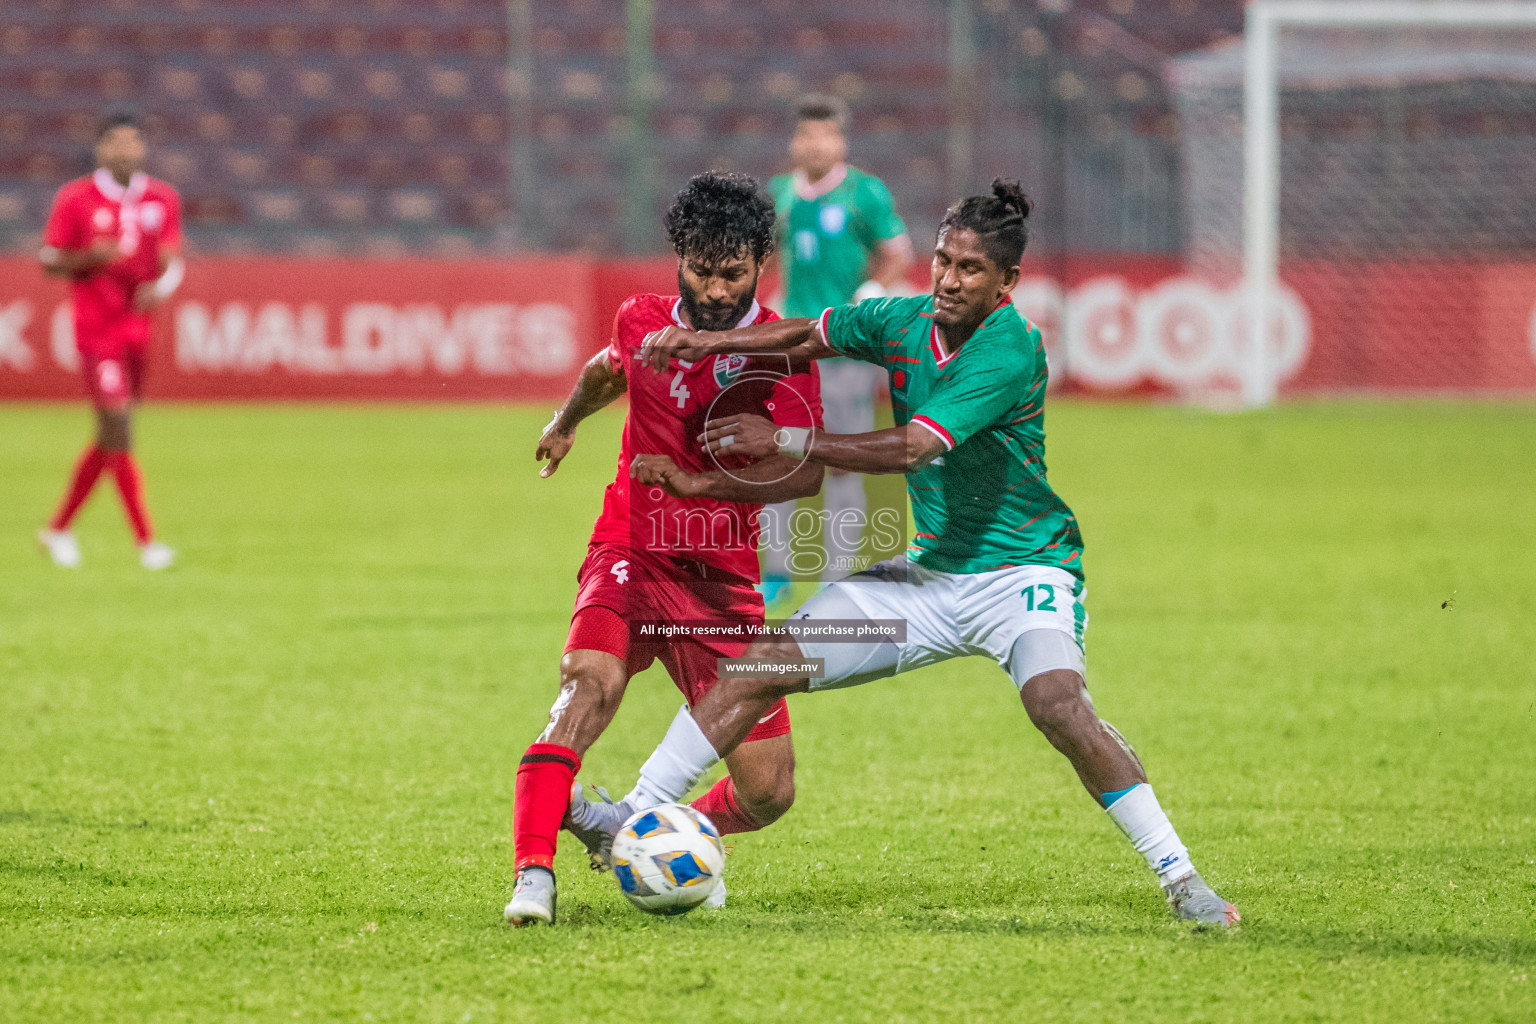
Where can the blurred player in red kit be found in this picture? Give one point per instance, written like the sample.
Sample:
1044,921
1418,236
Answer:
116,235
683,552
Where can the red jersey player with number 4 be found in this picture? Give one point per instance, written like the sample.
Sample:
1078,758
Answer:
116,235
682,555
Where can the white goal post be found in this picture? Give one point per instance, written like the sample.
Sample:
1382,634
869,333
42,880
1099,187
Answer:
1261,130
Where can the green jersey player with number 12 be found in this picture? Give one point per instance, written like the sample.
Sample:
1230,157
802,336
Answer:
995,566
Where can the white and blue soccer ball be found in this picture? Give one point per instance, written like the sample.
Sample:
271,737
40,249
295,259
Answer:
668,859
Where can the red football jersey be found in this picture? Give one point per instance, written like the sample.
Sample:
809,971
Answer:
667,412
145,219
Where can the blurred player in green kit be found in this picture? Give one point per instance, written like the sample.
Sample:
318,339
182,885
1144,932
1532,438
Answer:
840,241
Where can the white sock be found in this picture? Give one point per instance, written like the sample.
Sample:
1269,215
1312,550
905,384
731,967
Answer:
1142,820
676,765
774,522
844,503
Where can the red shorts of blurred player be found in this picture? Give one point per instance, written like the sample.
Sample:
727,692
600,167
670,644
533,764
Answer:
114,382
618,587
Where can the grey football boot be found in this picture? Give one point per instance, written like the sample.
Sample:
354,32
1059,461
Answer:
1193,900
533,898
595,823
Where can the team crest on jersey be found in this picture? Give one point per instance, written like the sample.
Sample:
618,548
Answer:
151,216
728,368
101,220
833,219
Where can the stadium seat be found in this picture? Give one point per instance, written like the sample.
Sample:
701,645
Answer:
14,203
319,89
212,208
277,206
414,205
345,205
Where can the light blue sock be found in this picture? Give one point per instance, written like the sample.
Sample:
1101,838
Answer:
1109,798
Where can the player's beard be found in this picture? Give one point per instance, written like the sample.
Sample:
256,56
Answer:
706,316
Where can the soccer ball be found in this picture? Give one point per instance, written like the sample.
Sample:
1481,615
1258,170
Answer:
668,859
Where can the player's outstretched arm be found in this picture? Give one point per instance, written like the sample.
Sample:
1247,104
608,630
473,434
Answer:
798,338
774,479
893,450
597,386
71,262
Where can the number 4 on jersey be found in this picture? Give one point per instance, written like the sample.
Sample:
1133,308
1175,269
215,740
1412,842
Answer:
679,390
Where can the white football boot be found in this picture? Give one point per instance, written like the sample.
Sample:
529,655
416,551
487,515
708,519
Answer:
716,900
1193,900
61,547
155,556
533,898
595,823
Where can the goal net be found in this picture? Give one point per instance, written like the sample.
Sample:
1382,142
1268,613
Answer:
1374,190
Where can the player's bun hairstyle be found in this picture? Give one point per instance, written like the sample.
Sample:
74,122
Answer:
118,119
998,220
719,216
821,107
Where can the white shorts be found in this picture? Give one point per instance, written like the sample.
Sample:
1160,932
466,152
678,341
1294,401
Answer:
848,395
952,615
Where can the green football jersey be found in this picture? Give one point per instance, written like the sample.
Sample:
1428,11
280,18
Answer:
984,504
825,243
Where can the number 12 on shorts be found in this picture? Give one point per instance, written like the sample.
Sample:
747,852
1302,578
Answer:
1047,598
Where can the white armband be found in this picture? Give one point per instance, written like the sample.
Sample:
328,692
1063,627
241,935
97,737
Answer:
792,441
167,283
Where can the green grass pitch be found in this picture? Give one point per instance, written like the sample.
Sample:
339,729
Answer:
275,783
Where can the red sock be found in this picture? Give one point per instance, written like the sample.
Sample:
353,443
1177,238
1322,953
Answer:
540,799
130,484
86,471
719,806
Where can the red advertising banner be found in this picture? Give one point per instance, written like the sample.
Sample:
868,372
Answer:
268,328
514,330
1134,324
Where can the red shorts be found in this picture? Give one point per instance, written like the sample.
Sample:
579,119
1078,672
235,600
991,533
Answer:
642,586
113,382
